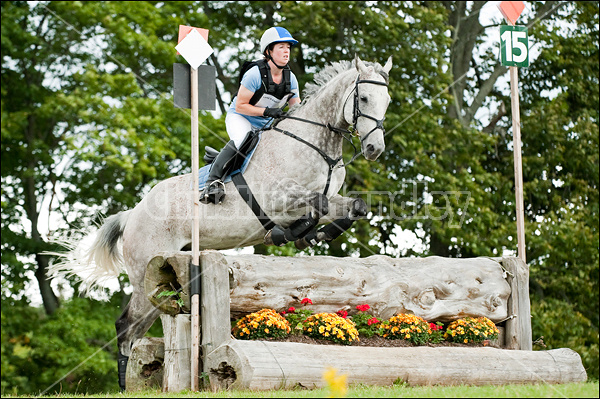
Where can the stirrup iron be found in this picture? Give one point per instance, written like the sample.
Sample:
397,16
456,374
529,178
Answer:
213,193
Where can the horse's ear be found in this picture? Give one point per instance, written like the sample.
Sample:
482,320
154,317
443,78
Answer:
388,65
359,65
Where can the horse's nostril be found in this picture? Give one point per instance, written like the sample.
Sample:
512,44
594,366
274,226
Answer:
370,148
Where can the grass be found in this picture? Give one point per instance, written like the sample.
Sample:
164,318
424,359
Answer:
571,390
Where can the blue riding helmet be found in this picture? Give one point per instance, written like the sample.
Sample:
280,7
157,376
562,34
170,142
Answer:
276,34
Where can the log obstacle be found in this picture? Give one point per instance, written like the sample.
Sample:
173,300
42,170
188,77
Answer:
145,368
437,289
260,365
434,288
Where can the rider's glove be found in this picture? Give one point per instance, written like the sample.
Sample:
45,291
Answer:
273,112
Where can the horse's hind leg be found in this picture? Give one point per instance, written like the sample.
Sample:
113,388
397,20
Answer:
137,318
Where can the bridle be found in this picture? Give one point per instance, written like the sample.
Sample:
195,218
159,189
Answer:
345,133
356,112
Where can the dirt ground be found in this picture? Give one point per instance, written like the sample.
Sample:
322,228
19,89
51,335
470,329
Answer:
380,341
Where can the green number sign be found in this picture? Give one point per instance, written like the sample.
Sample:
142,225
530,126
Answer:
514,48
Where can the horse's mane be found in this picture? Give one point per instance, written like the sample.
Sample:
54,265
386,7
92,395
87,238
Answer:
324,76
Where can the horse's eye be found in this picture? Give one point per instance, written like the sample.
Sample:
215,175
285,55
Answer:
363,99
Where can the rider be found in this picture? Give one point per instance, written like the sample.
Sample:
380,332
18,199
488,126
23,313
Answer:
264,91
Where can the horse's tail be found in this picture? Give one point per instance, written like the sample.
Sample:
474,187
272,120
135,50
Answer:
101,261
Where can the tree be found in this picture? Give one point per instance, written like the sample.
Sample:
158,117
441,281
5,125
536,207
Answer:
86,111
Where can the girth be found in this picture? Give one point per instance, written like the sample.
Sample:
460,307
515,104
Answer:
248,197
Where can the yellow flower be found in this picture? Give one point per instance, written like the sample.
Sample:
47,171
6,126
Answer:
335,384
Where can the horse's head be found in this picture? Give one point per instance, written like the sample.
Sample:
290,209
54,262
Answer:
367,110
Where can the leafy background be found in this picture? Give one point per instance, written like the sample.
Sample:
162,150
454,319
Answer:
88,127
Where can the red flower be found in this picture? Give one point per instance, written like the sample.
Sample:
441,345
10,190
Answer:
434,326
282,313
292,309
372,320
306,301
342,313
363,308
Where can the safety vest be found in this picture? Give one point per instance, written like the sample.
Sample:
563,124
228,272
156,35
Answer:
270,93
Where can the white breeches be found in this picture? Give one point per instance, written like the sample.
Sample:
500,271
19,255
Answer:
237,128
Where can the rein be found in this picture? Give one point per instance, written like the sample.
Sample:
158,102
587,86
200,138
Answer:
345,133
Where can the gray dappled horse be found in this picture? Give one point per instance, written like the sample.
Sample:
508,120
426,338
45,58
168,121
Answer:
290,175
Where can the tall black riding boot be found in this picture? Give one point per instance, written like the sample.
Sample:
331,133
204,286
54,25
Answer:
122,369
214,190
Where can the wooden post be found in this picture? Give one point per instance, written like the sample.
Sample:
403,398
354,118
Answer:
176,331
216,324
193,46
195,272
518,326
516,124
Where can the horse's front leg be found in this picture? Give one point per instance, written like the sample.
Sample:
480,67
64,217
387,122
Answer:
345,207
343,211
289,198
298,211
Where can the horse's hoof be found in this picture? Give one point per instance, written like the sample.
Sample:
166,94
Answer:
359,209
268,239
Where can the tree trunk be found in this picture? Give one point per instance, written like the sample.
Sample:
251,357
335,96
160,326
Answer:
49,298
145,367
259,365
437,289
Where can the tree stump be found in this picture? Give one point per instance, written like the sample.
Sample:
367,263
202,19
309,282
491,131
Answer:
177,348
145,365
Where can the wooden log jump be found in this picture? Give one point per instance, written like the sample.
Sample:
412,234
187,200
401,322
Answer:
437,289
260,365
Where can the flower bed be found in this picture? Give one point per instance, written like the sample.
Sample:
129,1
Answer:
362,328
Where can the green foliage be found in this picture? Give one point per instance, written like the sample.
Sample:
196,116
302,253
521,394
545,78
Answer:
296,319
366,324
173,295
557,324
74,350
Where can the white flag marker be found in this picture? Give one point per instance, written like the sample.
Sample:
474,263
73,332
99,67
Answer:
194,49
